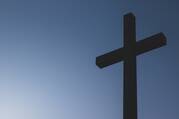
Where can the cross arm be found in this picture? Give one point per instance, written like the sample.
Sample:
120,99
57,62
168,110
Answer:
150,43
142,46
110,58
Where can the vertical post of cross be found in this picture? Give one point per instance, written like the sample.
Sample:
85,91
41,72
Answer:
130,82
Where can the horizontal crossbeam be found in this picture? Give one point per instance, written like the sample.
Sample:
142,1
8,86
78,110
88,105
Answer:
142,46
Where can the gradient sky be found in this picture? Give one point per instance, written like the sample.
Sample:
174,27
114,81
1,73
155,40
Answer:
47,59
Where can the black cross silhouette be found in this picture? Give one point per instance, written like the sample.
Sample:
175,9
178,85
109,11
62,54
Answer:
128,54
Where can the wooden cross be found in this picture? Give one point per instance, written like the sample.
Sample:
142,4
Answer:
128,54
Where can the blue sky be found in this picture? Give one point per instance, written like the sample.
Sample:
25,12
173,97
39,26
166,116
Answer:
47,59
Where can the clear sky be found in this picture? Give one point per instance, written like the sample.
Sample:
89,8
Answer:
47,59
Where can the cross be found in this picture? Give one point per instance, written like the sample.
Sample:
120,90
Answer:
128,54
